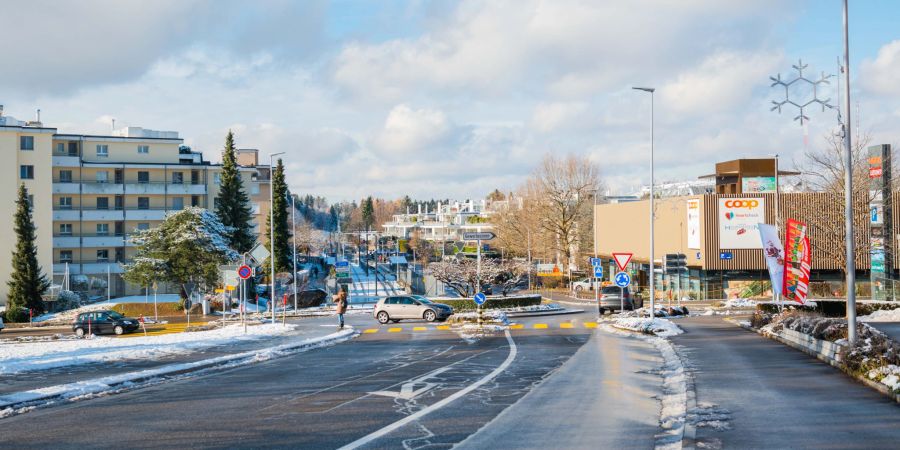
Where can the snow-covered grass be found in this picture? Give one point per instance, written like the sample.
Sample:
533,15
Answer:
882,315
740,303
657,326
32,356
888,375
495,316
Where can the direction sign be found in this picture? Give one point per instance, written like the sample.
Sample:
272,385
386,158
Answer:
623,279
480,298
479,236
622,259
596,262
342,264
244,272
598,271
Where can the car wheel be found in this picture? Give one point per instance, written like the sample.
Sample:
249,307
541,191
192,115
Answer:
602,311
429,315
382,317
578,288
119,330
79,332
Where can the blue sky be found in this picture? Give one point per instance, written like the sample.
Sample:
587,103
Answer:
447,98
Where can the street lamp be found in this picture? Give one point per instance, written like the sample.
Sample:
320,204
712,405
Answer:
652,268
294,235
272,231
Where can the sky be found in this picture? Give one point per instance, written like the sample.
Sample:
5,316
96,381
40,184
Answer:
452,99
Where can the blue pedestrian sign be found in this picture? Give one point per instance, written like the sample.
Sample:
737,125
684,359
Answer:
623,279
596,262
726,255
480,298
598,271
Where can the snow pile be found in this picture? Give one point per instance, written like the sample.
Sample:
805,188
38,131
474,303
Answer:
658,327
15,358
740,303
491,315
888,375
675,311
534,308
882,315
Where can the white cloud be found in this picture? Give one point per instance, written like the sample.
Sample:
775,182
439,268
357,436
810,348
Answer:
410,131
882,75
552,116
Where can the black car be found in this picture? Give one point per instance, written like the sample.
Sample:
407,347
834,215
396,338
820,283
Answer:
99,322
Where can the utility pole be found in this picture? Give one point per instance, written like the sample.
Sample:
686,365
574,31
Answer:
294,235
848,191
652,211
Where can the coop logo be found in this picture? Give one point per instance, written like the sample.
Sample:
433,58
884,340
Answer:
741,204
729,215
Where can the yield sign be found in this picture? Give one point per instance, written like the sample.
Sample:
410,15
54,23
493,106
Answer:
622,259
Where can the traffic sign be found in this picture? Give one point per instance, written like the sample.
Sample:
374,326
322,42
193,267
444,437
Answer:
342,264
259,253
622,259
244,272
623,279
479,236
189,288
596,262
598,271
726,255
480,298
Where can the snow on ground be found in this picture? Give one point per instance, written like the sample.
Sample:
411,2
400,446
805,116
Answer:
882,315
15,358
534,308
658,327
489,314
740,303
69,316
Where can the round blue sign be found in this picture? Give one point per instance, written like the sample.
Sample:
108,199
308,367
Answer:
244,272
480,298
623,279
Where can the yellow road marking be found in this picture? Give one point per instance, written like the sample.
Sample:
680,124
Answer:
419,329
538,326
517,326
394,330
590,324
565,325
443,327
371,330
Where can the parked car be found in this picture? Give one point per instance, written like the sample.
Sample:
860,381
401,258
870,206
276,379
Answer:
1,324
99,322
610,299
586,284
397,307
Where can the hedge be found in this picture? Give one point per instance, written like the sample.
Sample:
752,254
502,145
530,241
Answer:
467,304
833,308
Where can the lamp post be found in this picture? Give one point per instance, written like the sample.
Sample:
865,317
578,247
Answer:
652,194
272,231
294,235
848,191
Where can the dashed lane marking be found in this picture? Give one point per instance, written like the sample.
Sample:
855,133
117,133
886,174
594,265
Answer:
565,325
443,327
420,329
394,330
590,324
540,326
516,326
371,330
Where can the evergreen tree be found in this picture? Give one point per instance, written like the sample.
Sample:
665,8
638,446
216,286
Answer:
233,208
27,282
280,213
368,213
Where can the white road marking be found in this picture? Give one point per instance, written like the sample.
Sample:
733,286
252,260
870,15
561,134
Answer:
407,391
513,350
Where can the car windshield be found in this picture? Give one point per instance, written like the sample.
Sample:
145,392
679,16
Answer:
421,299
114,315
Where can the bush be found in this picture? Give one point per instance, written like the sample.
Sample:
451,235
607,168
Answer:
67,300
830,308
467,304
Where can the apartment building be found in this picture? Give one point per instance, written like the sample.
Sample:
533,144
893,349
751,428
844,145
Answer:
447,223
91,192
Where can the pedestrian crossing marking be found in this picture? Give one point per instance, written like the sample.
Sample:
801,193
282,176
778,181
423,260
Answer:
565,325
540,326
394,330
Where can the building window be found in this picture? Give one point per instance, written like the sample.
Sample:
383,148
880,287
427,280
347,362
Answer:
217,178
102,151
65,203
143,177
73,149
177,177
195,200
177,203
103,177
65,176
254,189
102,202
102,229
142,226
26,142
26,172
102,256
65,256
60,147
143,202
143,149
65,229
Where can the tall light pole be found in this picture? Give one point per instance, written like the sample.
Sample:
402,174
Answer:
652,195
272,231
294,235
848,191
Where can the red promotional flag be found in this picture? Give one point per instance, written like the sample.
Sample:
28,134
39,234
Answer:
797,262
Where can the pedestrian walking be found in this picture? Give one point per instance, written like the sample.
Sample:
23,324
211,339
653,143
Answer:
340,306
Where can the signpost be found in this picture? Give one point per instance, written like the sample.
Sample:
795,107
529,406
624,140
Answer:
479,299
244,272
188,289
622,281
597,264
598,272
479,236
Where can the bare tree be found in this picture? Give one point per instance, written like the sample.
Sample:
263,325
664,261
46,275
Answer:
512,272
462,275
518,228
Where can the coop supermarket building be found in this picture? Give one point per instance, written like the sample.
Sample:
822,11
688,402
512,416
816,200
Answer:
718,234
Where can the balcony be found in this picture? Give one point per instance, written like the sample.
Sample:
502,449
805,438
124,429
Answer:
87,267
154,188
102,241
66,241
98,187
102,215
66,161
65,187
145,214
66,214
187,189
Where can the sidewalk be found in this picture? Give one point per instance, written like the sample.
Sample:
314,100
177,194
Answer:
22,381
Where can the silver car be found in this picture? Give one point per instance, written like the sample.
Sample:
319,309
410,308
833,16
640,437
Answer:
395,308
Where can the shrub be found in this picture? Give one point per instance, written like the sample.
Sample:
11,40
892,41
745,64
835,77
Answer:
467,304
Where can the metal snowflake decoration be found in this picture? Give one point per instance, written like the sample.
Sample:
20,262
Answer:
801,104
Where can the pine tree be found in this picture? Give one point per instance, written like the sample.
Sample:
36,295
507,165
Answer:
280,213
27,282
233,208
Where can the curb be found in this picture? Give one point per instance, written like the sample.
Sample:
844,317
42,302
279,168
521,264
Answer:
544,313
810,349
41,396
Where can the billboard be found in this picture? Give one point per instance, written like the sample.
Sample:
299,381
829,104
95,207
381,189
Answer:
693,223
757,185
739,220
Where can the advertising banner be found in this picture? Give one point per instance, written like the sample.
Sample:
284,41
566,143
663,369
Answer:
693,223
796,262
757,185
739,220
774,254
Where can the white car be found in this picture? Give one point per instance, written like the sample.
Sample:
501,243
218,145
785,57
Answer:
586,284
1,324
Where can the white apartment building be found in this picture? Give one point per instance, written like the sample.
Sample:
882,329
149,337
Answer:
447,223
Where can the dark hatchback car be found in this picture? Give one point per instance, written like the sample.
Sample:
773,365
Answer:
100,322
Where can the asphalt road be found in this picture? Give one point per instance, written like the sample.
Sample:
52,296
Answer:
330,397
753,392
